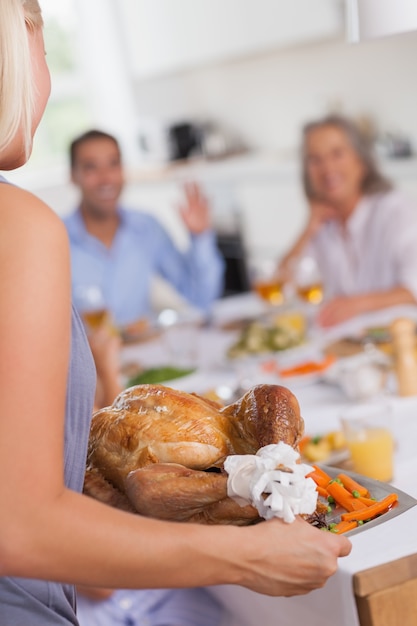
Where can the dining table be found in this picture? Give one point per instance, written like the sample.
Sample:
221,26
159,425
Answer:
376,585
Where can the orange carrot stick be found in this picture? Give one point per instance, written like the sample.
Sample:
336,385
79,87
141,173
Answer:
270,367
320,476
371,511
344,498
344,527
351,485
367,501
309,367
322,491
318,479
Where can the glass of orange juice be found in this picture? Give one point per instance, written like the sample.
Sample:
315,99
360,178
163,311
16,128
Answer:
370,440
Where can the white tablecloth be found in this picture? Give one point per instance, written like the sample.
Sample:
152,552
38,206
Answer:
321,406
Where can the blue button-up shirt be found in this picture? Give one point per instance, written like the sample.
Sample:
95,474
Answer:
151,607
141,249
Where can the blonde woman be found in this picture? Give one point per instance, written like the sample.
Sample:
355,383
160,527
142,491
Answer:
48,530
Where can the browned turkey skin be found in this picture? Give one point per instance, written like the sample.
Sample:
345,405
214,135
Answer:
152,449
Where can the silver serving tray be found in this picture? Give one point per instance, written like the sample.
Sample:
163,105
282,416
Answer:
377,490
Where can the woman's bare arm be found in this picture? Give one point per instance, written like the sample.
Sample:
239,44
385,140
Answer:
105,345
95,593
50,532
318,214
342,308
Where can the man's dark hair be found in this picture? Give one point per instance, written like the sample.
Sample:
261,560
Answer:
90,135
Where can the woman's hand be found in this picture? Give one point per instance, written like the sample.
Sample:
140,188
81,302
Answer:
319,214
341,309
292,559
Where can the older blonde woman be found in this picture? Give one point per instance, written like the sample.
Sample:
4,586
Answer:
48,530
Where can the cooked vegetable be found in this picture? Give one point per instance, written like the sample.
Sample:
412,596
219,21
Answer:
317,450
352,485
370,512
309,367
319,476
158,375
344,497
343,527
320,447
261,337
337,439
367,501
360,509
322,491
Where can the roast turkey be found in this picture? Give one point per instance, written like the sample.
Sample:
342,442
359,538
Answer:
160,452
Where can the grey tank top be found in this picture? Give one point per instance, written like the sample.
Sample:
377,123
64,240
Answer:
28,602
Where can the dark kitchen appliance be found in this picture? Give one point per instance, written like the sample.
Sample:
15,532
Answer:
184,140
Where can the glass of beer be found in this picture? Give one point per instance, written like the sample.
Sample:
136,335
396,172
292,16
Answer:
90,303
266,281
308,281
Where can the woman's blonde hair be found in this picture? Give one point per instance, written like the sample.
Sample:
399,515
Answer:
16,83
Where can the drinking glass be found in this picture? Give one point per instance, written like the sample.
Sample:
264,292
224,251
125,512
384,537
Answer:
181,337
370,440
266,281
90,303
308,281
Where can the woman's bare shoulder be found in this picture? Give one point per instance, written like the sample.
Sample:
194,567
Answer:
23,211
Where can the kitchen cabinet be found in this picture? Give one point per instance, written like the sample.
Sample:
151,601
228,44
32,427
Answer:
163,36
368,19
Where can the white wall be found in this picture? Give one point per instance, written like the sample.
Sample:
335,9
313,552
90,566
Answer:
267,97
164,36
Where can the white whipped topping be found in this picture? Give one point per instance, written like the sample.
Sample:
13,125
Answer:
254,479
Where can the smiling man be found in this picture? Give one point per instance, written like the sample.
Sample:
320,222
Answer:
361,232
117,251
